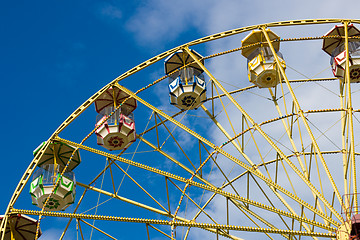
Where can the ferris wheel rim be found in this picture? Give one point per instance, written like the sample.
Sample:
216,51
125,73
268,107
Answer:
147,63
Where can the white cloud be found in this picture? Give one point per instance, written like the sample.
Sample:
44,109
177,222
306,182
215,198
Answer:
54,233
111,11
161,21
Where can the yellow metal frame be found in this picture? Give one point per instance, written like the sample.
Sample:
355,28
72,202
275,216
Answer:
322,208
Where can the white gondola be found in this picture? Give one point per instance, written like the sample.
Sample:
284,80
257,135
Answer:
20,227
53,162
43,183
350,227
187,88
335,47
116,129
262,68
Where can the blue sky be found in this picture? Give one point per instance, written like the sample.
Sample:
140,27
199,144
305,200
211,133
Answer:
55,54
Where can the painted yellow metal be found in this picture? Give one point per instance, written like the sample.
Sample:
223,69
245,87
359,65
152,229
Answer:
157,131
243,207
29,171
158,211
159,231
266,180
132,179
250,162
343,232
158,124
350,116
223,35
229,120
80,200
173,159
292,81
12,232
188,197
318,151
178,223
203,186
258,128
98,229
167,194
147,230
114,195
112,176
177,143
21,186
344,147
81,233
291,115
297,155
255,37
157,58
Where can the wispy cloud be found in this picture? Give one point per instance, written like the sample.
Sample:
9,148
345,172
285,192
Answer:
163,21
111,11
160,21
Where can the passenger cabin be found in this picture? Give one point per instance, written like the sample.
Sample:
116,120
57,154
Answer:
116,128
187,88
52,163
334,45
261,64
43,183
355,227
20,227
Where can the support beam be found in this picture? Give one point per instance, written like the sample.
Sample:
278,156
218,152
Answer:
205,226
206,187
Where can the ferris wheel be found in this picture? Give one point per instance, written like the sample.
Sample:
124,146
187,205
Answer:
250,133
